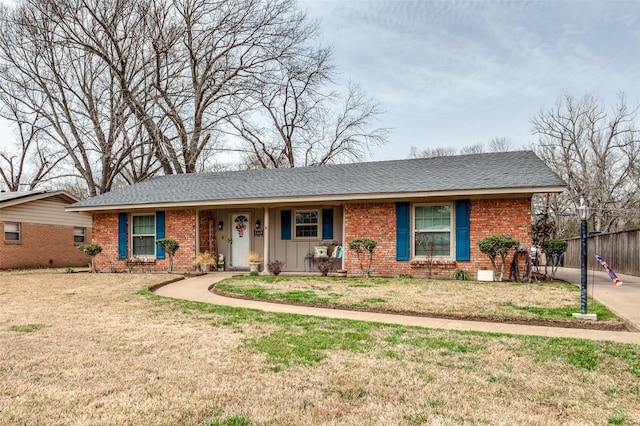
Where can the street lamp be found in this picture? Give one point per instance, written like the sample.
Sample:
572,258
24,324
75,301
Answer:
583,215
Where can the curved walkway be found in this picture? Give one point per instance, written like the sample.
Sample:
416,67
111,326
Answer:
197,289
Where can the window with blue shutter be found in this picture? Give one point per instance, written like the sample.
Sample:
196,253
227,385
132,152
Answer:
403,224
463,238
327,224
285,225
160,233
122,235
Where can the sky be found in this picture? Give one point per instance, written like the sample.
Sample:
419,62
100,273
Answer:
456,73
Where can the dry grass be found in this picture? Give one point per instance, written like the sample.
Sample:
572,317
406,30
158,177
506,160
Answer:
88,349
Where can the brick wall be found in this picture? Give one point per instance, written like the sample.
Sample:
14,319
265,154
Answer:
180,226
43,246
378,222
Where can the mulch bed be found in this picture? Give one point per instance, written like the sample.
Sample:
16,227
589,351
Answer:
582,324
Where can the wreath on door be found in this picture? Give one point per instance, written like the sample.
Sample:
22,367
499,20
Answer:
241,224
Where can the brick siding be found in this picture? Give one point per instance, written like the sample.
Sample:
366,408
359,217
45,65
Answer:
180,225
377,221
43,246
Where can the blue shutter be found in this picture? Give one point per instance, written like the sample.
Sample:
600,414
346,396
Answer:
159,233
463,240
327,224
403,224
122,235
285,225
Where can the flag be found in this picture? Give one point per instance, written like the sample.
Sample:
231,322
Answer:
606,267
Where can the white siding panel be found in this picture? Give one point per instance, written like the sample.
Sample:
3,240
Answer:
46,212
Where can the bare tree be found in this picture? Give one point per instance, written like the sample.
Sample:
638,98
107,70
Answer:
293,119
70,96
500,144
30,163
476,148
596,152
432,152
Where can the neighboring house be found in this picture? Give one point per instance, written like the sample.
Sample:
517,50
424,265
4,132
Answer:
38,232
284,214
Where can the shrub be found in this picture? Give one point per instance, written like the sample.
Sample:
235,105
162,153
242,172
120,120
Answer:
275,267
91,250
364,247
254,273
553,249
461,275
170,247
494,246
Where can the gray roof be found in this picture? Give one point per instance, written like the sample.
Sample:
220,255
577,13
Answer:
519,171
10,196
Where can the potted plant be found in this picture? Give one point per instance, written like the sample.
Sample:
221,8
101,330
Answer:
203,261
255,261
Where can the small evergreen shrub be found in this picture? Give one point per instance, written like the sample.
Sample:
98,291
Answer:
461,275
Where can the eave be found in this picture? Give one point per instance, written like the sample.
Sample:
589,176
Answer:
329,199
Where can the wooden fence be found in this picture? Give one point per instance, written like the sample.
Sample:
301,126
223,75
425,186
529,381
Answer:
621,250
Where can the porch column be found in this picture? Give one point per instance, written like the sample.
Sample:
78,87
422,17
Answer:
197,232
266,237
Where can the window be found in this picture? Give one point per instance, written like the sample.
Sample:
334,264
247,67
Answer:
144,235
307,224
432,230
11,231
78,235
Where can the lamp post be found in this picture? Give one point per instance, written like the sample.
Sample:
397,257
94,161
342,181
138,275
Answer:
583,215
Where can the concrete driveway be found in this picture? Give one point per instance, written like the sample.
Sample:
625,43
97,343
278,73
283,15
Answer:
623,300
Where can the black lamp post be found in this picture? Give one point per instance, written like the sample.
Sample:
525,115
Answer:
583,214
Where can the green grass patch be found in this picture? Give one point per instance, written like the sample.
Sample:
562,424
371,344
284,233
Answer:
374,300
232,421
306,347
26,328
562,313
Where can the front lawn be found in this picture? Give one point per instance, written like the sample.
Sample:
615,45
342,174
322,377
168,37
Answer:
101,349
498,301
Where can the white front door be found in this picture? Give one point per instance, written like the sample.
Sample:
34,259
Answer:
240,240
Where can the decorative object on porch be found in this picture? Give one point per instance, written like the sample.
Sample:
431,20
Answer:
255,261
275,267
241,225
220,262
203,261
324,266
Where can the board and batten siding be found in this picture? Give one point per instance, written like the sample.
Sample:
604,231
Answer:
293,252
45,212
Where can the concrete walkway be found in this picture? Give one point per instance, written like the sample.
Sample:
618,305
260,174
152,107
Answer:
197,289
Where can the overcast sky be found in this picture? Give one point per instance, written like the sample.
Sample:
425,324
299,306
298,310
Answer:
455,73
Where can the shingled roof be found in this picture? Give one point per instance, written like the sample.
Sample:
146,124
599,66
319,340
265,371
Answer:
8,199
491,173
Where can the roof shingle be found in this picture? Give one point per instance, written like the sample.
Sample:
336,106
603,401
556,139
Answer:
491,172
